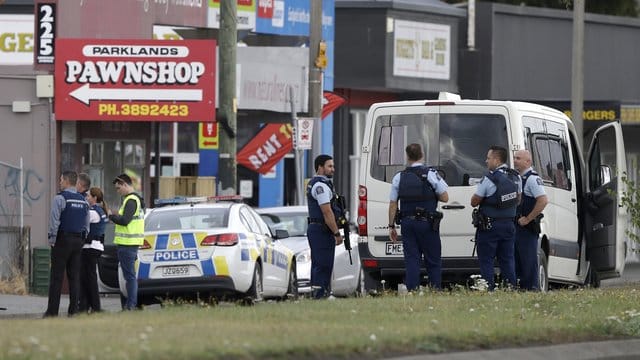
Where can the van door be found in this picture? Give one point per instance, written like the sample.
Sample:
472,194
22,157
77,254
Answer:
606,218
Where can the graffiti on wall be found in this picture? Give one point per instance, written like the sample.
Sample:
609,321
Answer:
32,192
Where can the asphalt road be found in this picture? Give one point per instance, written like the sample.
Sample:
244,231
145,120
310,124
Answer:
630,276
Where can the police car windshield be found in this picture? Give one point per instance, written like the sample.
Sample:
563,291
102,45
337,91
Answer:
455,143
187,219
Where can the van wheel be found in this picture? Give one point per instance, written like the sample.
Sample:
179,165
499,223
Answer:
543,275
371,285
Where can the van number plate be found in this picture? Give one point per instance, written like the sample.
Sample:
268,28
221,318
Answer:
169,271
394,248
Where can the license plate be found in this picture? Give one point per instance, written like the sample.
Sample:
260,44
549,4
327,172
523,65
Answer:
394,248
168,271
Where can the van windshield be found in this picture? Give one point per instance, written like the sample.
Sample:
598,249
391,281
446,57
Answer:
456,144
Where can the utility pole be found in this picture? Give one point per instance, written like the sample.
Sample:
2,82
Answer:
227,109
315,80
577,71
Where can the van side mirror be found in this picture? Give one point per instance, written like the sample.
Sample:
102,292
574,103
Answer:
605,174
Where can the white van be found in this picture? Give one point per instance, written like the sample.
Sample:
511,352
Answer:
584,225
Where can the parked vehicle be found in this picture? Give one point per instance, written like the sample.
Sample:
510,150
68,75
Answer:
583,230
108,270
347,277
194,246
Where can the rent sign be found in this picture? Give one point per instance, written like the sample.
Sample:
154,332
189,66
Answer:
135,80
271,144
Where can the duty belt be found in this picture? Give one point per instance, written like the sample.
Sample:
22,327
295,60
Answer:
315,221
500,218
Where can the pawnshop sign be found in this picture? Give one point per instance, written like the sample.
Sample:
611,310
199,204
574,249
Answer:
135,80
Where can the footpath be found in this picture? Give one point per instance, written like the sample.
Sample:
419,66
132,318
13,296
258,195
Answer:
34,306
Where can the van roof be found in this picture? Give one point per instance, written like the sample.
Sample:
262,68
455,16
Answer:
450,99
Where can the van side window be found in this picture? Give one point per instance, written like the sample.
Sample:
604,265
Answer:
602,163
545,167
450,142
559,152
549,151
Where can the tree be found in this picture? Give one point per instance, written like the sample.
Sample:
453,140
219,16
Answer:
606,7
631,201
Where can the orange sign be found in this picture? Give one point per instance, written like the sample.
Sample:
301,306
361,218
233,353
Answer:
208,135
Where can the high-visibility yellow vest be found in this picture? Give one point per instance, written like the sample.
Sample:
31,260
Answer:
132,234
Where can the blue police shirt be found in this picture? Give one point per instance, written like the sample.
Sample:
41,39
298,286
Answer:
321,192
534,186
486,187
438,183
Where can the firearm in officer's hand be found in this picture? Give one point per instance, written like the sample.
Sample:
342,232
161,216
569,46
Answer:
344,224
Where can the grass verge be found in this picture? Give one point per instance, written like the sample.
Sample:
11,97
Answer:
344,328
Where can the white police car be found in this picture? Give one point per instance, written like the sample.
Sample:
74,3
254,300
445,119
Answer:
347,278
210,248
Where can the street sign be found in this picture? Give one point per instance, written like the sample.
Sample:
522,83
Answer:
304,133
135,80
208,135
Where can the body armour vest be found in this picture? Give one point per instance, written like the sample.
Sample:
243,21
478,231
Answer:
503,202
314,208
415,190
96,230
528,202
74,216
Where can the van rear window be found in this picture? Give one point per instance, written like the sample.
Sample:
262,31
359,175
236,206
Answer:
456,144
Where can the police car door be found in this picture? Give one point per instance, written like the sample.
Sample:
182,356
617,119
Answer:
274,261
606,219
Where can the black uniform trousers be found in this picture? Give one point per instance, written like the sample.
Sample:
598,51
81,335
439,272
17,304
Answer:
65,255
323,248
89,294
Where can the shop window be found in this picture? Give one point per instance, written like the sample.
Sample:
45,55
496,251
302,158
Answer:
188,137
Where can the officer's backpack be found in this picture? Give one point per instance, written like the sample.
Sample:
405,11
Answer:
506,195
414,184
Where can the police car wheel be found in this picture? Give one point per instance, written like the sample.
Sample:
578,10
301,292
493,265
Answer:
255,291
361,290
292,289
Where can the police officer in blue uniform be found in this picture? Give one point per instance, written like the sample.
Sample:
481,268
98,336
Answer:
92,250
418,188
534,200
323,232
498,195
68,226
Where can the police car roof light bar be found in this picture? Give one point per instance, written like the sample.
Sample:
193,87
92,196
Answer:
234,198
180,200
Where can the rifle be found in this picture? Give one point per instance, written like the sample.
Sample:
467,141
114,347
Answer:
343,223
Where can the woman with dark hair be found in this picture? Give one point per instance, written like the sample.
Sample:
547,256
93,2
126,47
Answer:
91,251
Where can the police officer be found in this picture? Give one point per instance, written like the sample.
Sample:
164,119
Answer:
534,200
68,225
129,234
498,195
418,188
323,232
83,184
